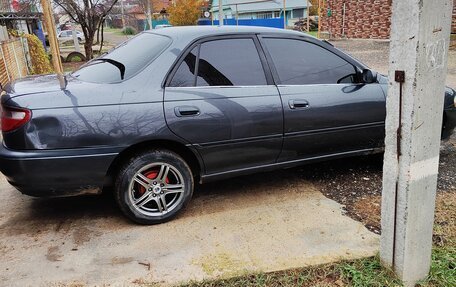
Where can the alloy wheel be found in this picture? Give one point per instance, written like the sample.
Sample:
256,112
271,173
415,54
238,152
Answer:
156,189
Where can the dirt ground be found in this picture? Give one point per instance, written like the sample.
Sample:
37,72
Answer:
60,242
357,183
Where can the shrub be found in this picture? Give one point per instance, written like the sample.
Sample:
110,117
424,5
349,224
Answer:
129,31
38,56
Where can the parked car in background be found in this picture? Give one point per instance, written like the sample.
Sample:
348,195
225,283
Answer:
176,106
67,36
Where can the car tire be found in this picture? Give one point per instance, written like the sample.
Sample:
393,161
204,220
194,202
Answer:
75,57
153,187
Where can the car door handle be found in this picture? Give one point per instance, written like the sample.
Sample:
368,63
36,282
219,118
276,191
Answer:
186,111
298,104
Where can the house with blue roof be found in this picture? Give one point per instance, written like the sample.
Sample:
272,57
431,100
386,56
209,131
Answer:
261,9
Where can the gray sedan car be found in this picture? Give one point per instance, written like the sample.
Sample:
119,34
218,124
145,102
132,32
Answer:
180,105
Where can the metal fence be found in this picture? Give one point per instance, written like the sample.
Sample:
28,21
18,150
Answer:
272,22
13,60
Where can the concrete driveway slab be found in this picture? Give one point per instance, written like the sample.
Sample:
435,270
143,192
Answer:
265,222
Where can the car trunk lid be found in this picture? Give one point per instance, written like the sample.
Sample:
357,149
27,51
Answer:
33,85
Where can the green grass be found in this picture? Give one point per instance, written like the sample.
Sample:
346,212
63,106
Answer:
312,33
289,278
367,272
116,31
357,273
443,268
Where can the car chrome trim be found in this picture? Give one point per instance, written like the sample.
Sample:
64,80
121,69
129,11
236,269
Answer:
223,87
234,141
350,127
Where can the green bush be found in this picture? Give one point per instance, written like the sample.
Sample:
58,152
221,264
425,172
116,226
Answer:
129,31
40,60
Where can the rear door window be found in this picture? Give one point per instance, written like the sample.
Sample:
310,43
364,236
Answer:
226,62
230,62
185,74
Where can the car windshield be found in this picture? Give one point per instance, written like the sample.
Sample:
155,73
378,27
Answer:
124,61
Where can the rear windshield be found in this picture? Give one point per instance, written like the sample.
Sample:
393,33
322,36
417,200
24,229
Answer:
124,61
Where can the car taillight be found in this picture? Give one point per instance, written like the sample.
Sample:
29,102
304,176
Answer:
13,118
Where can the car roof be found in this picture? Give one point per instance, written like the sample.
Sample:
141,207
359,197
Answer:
192,32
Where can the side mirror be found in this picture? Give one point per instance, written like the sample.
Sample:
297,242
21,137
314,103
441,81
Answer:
369,76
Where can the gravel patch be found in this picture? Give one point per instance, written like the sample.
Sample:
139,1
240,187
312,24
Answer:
356,182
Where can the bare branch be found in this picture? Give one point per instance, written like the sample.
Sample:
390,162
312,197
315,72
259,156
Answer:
89,14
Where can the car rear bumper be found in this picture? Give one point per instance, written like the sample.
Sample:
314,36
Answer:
47,173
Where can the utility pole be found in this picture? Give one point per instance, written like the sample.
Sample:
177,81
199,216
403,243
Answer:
237,15
285,14
319,18
75,38
122,12
149,17
420,34
308,17
221,13
52,35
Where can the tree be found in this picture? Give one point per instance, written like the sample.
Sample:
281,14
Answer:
185,12
313,10
90,14
148,7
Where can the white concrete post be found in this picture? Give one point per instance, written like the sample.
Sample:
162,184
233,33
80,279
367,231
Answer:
75,39
221,16
149,16
420,31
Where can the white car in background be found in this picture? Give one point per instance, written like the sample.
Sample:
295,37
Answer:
67,35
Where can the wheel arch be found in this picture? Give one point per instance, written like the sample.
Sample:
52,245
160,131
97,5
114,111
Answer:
190,156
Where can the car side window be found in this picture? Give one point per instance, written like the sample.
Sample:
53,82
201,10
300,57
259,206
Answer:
230,62
185,74
302,63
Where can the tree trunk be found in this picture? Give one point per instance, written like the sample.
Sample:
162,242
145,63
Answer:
88,47
102,35
98,32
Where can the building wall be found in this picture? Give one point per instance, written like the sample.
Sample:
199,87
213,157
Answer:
453,22
363,19
368,19
291,14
